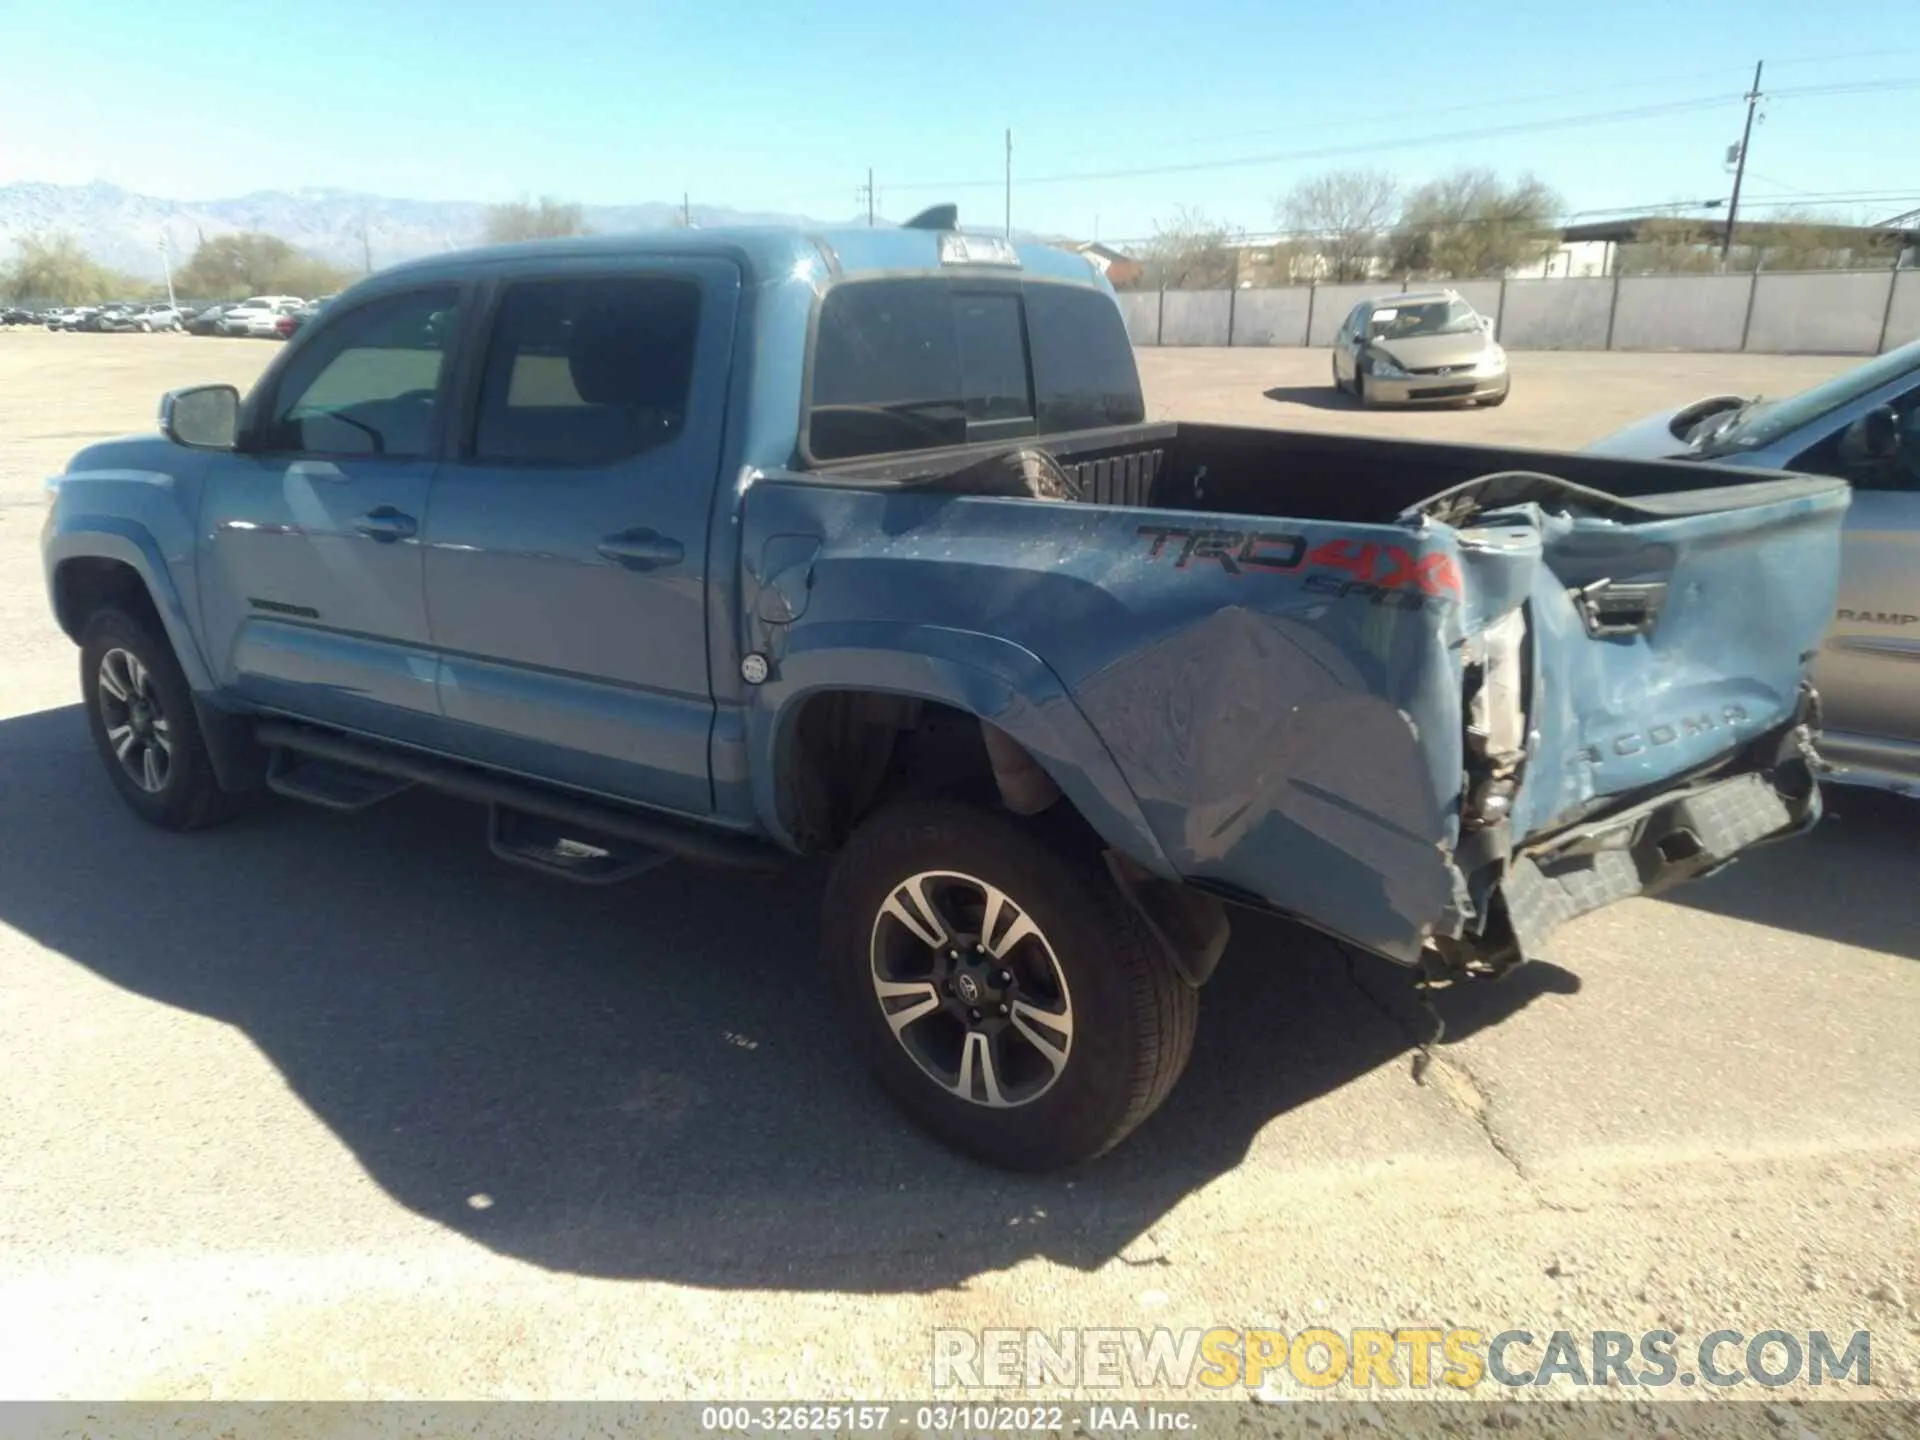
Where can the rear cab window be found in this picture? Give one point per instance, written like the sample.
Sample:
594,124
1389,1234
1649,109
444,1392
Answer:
930,362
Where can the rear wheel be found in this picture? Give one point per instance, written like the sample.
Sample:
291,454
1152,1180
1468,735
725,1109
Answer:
140,713
1002,989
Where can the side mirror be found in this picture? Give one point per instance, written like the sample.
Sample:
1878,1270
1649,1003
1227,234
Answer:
1875,435
1486,323
205,417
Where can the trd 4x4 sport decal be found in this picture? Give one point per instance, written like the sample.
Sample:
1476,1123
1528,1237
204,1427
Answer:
1385,574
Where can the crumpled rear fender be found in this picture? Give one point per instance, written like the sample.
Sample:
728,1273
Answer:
985,676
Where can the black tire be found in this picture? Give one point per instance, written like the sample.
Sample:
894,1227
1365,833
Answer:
1132,1017
187,796
1338,383
1360,387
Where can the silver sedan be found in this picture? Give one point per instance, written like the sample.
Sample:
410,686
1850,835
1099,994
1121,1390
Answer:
1429,348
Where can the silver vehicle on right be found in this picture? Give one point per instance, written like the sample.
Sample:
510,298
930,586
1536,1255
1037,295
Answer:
1864,426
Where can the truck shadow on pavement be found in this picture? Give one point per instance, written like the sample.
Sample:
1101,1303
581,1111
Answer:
1850,880
1314,397
641,1082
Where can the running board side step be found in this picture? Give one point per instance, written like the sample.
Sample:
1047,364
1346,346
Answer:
561,851
577,815
329,784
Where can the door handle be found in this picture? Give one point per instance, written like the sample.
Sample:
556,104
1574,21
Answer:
642,549
386,524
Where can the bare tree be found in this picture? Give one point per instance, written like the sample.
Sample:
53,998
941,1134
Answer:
1470,224
1190,252
1347,213
542,219
55,269
1677,245
253,263
1809,240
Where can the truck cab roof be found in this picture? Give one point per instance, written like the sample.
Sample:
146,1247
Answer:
766,255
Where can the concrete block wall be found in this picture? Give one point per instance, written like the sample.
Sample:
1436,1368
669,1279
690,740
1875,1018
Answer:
1814,312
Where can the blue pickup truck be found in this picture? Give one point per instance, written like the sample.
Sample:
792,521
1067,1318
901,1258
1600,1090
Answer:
732,546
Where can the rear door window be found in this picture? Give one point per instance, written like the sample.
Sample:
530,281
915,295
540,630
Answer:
586,372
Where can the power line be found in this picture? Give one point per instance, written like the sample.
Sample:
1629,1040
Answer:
1426,113
1845,87
1599,117
1429,138
1781,184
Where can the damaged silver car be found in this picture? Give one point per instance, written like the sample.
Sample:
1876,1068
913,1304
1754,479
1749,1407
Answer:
1429,348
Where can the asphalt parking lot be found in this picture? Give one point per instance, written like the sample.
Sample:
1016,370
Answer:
338,1107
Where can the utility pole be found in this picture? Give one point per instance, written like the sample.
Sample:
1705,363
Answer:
166,264
686,211
1009,184
1740,165
865,192
366,243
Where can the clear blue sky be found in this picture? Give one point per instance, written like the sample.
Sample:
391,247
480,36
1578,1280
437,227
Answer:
763,105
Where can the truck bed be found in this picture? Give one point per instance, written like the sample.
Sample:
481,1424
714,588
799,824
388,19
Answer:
1359,479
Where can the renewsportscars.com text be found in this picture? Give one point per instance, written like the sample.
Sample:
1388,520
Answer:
1415,1357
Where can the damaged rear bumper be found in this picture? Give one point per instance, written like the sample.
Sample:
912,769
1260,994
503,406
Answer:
1659,842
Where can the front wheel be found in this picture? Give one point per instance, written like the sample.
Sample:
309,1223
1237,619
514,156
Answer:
140,713
1002,989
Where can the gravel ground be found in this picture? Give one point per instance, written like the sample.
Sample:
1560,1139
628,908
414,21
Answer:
315,1107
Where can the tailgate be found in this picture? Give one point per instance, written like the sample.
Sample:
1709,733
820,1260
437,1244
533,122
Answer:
1654,635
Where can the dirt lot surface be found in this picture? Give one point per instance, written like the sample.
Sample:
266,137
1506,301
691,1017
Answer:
318,1107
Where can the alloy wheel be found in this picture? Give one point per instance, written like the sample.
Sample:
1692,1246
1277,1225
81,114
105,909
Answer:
971,989
136,725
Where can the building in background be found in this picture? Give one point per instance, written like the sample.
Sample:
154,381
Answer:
1680,244
1121,270
1569,260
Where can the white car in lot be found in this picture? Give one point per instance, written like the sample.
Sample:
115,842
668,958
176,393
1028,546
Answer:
259,315
162,317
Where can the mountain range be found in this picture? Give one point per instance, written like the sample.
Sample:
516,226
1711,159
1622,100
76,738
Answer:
123,229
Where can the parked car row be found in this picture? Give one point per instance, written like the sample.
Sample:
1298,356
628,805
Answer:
262,316
122,315
265,317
